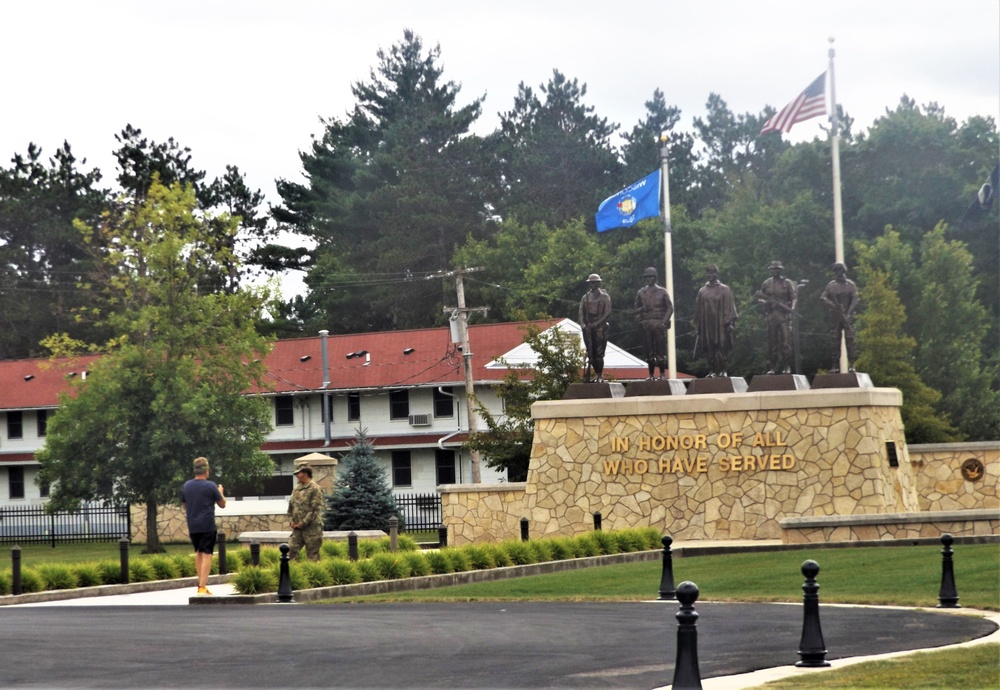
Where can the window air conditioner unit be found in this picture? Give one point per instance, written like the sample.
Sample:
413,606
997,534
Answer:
419,420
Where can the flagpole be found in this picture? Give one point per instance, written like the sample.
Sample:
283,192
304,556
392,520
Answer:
668,253
838,216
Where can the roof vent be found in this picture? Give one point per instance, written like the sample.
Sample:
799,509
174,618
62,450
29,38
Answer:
29,377
408,351
305,358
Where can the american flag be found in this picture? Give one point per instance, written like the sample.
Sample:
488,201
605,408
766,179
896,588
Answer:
808,104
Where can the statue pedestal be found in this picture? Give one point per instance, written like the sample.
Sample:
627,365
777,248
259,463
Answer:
719,384
854,379
655,387
591,391
778,382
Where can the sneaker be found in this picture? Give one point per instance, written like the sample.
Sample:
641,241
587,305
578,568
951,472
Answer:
203,592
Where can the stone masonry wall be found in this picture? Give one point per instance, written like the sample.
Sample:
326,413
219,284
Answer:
940,484
172,524
698,467
482,512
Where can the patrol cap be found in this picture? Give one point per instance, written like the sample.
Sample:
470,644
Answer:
594,278
304,468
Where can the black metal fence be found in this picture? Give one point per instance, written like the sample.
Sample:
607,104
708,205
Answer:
89,524
420,511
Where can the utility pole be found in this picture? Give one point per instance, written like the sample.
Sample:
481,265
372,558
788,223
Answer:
463,335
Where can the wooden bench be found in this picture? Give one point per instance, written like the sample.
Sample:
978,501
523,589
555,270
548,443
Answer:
282,537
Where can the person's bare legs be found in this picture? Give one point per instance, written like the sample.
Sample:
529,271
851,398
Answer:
203,567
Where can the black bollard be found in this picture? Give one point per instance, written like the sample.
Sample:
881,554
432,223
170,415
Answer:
597,521
524,529
123,559
284,578
812,649
686,673
442,537
667,590
948,596
255,553
15,575
393,533
352,546
223,568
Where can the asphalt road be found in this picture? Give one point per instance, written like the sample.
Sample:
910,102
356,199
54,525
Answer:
473,645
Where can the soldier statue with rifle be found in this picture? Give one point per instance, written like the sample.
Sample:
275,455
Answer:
841,295
778,297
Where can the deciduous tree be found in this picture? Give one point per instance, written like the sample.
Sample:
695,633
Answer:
172,383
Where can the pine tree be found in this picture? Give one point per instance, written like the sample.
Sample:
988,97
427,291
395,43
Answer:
362,499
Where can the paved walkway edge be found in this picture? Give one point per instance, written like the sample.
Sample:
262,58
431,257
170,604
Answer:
744,681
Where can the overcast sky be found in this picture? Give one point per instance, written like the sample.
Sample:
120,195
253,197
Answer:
245,82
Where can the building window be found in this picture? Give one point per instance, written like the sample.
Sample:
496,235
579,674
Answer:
15,481
43,422
402,472
284,410
445,461
444,404
399,404
43,489
354,406
15,424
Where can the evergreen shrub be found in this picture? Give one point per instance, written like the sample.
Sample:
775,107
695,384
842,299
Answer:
479,557
459,559
333,549
31,581
391,566
439,562
164,567
316,574
57,576
342,571
541,549
139,570
368,571
185,564
87,574
255,580
518,552
416,562
111,572
607,544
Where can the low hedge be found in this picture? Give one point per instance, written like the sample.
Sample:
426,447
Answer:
334,568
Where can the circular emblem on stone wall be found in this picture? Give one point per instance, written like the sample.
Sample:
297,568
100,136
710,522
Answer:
973,470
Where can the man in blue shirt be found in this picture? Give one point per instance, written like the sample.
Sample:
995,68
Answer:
199,497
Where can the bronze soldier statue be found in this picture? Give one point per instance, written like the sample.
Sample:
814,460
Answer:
778,296
841,295
714,318
595,310
654,309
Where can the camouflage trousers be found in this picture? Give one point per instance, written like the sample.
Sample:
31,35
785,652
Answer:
310,537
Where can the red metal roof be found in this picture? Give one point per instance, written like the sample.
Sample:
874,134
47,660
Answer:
392,359
36,383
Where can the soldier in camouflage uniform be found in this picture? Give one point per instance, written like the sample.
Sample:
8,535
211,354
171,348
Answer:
305,508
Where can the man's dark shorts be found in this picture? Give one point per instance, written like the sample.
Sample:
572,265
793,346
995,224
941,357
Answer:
203,542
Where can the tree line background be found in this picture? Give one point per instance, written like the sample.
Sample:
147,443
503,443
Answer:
400,188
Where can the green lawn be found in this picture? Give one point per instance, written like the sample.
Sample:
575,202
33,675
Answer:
37,554
899,575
